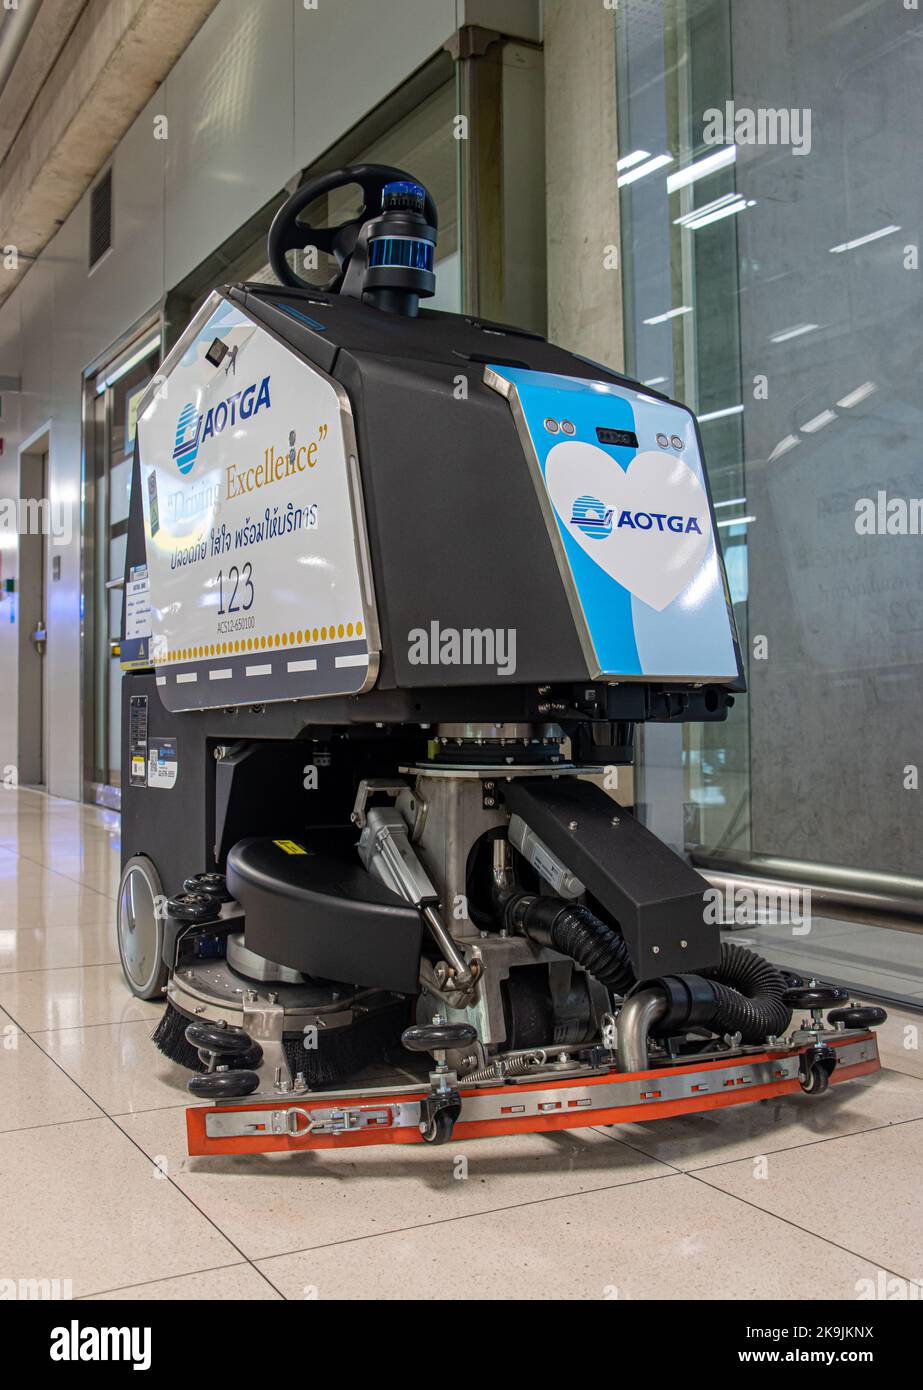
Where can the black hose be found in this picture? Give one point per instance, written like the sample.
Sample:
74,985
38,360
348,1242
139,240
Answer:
576,932
742,994
748,995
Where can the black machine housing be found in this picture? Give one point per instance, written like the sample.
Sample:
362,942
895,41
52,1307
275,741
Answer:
250,777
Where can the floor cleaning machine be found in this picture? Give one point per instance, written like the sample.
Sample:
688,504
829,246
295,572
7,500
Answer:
400,585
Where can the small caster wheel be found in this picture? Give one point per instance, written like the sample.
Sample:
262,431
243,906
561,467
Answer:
815,996
435,1037
438,1113
815,1080
193,908
440,1128
218,1037
210,885
858,1016
246,1061
223,1085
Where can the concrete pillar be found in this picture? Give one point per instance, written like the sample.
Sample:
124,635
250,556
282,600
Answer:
585,280
581,150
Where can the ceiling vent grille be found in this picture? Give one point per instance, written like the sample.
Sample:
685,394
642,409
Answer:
101,219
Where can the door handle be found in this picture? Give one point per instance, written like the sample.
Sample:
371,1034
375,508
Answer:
39,637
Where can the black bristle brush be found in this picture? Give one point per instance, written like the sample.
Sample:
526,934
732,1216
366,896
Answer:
340,1052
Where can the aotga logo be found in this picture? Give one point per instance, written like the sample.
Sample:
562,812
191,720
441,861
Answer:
187,438
595,520
592,517
194,430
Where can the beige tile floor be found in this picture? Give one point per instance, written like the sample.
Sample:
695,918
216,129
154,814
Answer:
98,1189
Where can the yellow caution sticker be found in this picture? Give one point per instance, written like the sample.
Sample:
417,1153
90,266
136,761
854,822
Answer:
290,847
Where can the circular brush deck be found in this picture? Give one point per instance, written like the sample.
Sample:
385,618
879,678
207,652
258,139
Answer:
348,1028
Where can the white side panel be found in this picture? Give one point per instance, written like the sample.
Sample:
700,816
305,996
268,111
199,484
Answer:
259,585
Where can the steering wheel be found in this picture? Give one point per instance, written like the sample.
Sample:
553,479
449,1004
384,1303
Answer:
288,233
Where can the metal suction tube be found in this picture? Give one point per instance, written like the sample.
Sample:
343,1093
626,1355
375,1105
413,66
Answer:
636,1018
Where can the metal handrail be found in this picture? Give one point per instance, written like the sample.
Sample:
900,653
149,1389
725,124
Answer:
854,894
811,873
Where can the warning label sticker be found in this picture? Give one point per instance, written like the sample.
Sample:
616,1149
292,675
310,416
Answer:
138,604
137,740
162,763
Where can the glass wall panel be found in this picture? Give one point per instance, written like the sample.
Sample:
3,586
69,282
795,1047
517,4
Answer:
111,420
771,206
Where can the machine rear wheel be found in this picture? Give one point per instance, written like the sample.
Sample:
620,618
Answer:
139,924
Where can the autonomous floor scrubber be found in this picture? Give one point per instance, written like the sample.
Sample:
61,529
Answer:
400,586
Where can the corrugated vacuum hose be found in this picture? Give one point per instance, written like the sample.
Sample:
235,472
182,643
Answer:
743,994
576,932
748,994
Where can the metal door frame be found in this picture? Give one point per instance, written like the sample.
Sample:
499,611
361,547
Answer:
95,790
37,446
